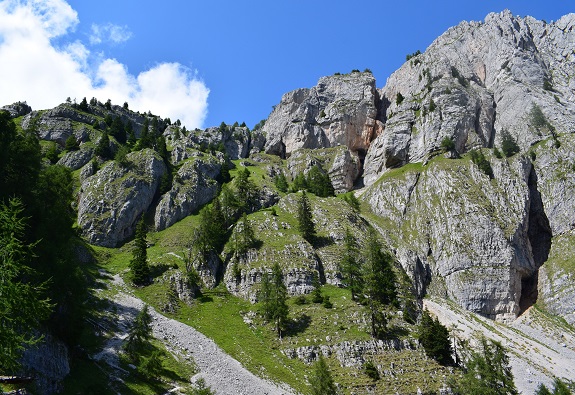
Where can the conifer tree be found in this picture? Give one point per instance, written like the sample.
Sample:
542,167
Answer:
281,183
299,183
244,237
306,226
434,337
245,190
321,380
139,269
273,295
140,333
316,293
351,270
379,284
487,372
103,147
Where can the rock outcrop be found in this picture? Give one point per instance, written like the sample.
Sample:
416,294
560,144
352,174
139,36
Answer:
342,165
194,185
17,109
113,199
339,110
464,236
473,82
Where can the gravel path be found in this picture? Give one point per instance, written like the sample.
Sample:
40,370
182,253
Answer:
222,373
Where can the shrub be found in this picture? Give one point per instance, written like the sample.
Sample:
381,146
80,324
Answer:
481,162
327,303
72,144
509,145
447,144
371,370
300,300
432,106
412,55
399,98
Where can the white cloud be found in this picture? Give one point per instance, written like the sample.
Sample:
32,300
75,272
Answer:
109,33
33,69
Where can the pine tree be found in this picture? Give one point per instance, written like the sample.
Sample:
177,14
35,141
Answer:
140,333
509,145
487,372
316,293
22,305
273,296
139,269
244,237
379,284
71,144
245,190
350,268
299,183
434,337
281,183
306,226
321,380
103,147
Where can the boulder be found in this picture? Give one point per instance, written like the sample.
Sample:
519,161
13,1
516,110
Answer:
112,200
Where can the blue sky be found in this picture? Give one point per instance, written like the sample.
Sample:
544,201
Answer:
212,61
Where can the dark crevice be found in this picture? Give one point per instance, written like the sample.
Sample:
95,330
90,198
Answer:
539,234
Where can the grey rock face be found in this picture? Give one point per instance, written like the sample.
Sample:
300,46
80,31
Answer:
194,185
473,82
339,110
463,236
342,166
114,198
76,159
17,109
56,124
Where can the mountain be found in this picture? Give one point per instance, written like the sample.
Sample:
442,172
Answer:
463,163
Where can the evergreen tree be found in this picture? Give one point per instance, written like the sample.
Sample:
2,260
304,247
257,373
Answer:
509,145
299,183
200,388
139,269
140,333
319,183
316,293
22,304
321,380
379,284
245,190
487,372
83,106
117,130
350,268
129,129
560,388
273,296
306,226
281,183
434,337
71,144
244,237
103,147
145,140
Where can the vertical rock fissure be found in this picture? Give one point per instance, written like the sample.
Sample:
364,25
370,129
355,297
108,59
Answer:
539,234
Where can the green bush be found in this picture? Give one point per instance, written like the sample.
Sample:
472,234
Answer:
412,55
371,370
480,161
447,144
399,98
509,145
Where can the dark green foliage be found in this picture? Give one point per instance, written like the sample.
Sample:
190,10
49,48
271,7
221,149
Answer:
497,153
146,140
300,300
140,333
460,78
431,105
399,98
103,148
366,70
162,149
200,388
509,145
211,232
243,235
151,367
378,284
319,183
122,156
560,388
305,226
281,183
299,183
22,305
538,119
355,71
327,303
273,296
321,380
371,370
487,372
350,267
246,190
166,182
547,85
447,144
259,125
412,55
316,293
117,130
83,106
139,268
108,104
125,105
52,153
129,129
71,144
352,200
434,338
96,125
481,161
225,171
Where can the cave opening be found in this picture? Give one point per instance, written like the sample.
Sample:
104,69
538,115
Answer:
539,234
